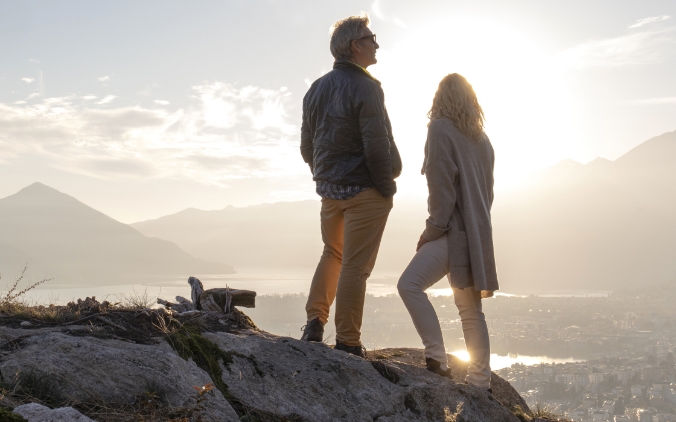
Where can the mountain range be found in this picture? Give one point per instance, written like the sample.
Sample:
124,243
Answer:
603,225
59,236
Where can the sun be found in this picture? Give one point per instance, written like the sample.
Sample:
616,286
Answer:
521,89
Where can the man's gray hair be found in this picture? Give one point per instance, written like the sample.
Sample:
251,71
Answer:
344,32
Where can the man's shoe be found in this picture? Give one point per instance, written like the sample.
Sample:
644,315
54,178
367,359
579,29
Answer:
353,350
313,331
435,366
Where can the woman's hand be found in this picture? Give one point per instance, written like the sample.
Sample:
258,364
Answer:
421,242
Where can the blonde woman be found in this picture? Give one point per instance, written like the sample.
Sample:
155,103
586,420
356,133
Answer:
457,242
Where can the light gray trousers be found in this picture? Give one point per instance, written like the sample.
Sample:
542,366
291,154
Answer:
429,265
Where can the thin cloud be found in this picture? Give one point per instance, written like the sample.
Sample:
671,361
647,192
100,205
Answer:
89,97
107,99
161,102
242,163
28,80
638,48
104,78
651,101
641,22
225,133
400,23
34,60
376,9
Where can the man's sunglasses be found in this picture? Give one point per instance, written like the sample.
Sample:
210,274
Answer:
372,37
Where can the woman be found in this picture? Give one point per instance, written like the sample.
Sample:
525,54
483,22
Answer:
458,240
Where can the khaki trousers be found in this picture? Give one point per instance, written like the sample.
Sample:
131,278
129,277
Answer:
351,231
429,265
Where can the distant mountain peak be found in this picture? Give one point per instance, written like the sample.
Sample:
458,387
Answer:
73,240
38,187
40,192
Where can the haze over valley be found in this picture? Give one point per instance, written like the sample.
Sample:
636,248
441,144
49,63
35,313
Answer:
605,225
61,238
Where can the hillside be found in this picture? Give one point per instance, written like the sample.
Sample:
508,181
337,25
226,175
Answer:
596,226
601,226
284,233
58,236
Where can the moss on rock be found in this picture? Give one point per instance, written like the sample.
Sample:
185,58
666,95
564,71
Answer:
6,415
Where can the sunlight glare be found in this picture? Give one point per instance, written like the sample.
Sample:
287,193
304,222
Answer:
461,354
522,92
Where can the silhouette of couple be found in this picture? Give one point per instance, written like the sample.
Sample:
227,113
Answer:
346,138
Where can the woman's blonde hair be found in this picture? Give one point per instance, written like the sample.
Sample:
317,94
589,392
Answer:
455,99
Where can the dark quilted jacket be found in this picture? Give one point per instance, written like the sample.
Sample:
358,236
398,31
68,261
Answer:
346,136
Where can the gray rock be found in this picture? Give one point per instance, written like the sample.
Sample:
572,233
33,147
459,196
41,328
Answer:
305,381
34,412
91,369
502,390
264,376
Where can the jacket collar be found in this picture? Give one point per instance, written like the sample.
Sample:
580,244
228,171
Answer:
346,64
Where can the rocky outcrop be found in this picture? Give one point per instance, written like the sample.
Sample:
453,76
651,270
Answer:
87,369
255,375
34,412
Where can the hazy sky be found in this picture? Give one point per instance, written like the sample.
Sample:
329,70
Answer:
141,109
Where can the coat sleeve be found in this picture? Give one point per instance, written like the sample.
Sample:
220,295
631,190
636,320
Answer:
376,139
394,151
306,146
492,193
441,172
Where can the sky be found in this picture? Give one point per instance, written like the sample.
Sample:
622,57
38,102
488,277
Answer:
143,109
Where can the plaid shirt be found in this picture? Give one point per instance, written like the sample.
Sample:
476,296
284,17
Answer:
332,191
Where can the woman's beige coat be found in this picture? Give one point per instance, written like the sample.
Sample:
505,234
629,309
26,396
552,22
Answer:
459,173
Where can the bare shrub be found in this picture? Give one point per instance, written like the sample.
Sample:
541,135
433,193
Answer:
12,294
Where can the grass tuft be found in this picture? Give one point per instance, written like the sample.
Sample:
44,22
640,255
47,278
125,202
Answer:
520,413
540,413
543,412
33,386
453,417
136,300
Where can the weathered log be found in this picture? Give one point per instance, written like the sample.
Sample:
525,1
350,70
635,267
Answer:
184,301
190,313
208,304
219,299
183,304
165,302
196,289
243,298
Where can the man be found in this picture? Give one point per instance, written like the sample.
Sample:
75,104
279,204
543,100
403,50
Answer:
346,138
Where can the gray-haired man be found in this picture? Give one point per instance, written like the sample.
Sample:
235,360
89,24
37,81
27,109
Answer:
346,138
